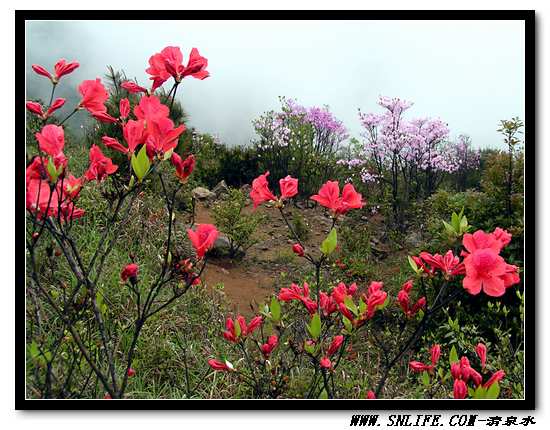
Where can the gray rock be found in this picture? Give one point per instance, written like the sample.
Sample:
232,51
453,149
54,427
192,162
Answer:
414,239
201,193
221,188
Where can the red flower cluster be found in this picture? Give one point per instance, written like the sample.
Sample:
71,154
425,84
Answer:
61,68
169,62
329,197
448,264
94,95
36,108
404,300
185,268
332,349
417,366
462,372
485,269
234,334
295,292
203,238
100,165
268,347
41,198
152,127
261,193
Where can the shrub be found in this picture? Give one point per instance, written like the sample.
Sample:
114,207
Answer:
237,225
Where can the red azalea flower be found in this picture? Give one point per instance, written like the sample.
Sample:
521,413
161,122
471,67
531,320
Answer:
496,377
219,366
100,165
157,70
162,137
151,109
260,190
40,199
435,353
103,116
485,270
502,236
418,367
371,395
289,187
35,108
350,199
184,168
335,345
133,88
124,108
298,249
267,348
57,104
301,294
51,139
72,186
460,390
130,271
94,96
325,363
111,142
196,66
449,264
230,333
340,292
134,134
131,372
481,351
41,71
327,304
481,240
63,68
329,197
203,238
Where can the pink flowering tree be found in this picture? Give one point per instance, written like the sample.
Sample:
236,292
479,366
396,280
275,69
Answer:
300,141
411,157
88,343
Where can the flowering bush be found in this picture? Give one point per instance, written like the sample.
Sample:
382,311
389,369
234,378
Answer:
84,336
336,316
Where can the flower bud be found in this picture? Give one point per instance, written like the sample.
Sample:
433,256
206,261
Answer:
298,249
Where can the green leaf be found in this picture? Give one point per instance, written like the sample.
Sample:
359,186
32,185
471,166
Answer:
141,163
324,394
314,327
455,222
463,224
275,309
330,242
237,329
132,181
347,324
425,378
493,391
453,355
450,230
348,301
413,264
52,171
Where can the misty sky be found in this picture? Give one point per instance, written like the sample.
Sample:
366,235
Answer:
468,73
